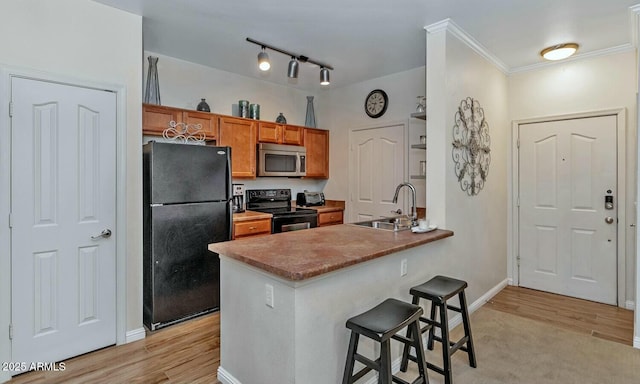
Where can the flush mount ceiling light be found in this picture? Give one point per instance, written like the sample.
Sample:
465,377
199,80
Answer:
559,52
292,70
263,60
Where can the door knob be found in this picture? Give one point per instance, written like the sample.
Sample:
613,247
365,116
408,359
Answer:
398,211
104,234
608,220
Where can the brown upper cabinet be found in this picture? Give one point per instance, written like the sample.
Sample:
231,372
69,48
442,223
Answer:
240,135
156,118
280,134
317,143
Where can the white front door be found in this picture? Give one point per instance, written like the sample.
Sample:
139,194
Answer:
378,164
63,196
568,236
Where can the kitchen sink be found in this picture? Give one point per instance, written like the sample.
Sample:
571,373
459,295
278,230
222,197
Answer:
394,224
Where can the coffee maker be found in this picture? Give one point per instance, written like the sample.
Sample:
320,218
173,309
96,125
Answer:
238,198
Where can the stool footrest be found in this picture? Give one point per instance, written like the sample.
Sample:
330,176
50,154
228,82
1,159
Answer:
368,362
455,309
402,339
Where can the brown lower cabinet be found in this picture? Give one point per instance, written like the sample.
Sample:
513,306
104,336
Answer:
330,218
248,228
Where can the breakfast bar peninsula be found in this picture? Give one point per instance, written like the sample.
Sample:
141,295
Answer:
285,298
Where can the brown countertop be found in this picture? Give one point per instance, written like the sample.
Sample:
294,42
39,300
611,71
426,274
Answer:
327,208
300,255
250,215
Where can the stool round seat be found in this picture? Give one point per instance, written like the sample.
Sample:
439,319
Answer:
439,289
381,324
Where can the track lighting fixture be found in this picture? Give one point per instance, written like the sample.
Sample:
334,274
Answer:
324,76
292,70
263,60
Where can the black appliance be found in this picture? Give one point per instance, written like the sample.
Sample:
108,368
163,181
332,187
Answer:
309,199
187,205
278,203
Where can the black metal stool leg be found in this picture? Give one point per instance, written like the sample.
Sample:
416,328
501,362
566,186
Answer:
385,363
432,330
446,347
351,359
467,329
420,358
407,348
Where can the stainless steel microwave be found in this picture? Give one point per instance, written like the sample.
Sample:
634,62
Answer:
282,160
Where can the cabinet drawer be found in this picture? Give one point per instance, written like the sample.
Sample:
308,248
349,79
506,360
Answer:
330,218
251,228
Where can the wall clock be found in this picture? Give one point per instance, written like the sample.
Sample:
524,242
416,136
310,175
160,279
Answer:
471,153
375,104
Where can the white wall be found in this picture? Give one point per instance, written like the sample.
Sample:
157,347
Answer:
347,112
87,41
183,84
584,86
455,72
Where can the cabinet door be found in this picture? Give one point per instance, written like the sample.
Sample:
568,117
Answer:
293,135
317,143
240,135
269,132
156,118
208,121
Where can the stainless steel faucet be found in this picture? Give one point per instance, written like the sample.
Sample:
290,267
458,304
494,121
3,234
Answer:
414,211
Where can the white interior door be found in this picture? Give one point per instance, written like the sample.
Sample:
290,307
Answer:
568,238
63,184
378,160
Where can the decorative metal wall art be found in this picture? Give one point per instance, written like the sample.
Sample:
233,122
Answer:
184,133
471,141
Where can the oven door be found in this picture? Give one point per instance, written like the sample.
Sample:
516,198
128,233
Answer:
293,223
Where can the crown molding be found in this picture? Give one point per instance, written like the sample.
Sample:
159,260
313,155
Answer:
451,27
634,15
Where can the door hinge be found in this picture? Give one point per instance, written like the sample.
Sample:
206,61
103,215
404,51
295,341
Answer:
11,109
518,260
10,220
518,202
10,332
518,143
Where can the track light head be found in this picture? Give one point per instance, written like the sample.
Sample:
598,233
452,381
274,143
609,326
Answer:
292,71
263,60
324,76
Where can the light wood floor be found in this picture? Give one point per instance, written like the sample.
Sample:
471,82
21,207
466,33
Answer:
190,352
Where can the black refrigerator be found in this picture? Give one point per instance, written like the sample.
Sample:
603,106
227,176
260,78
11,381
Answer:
187,205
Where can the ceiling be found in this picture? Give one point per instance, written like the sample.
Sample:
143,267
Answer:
366,39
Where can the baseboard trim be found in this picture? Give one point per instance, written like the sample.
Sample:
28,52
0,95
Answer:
134,335
226,378
630,305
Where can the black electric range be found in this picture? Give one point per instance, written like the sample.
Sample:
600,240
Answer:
278,203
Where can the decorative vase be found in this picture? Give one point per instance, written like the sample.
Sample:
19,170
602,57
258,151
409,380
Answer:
254,111
281,119
310,121
152,91
243,108
203,106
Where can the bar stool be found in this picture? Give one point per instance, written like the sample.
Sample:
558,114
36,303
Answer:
438,290
381,324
